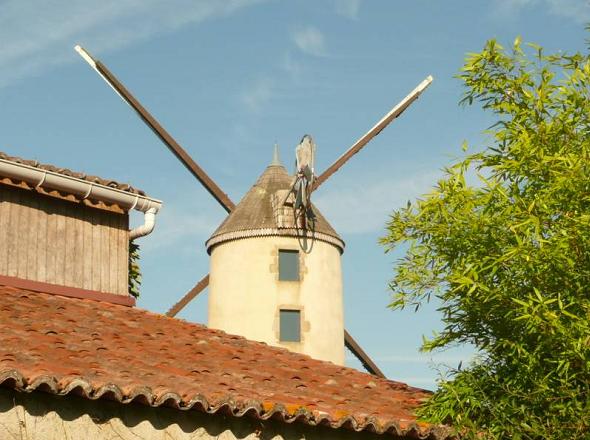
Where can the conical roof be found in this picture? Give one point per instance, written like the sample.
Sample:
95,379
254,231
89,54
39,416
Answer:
258,214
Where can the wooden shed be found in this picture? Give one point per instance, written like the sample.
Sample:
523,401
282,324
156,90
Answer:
62,229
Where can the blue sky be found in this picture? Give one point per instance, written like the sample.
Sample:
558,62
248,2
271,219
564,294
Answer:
228,80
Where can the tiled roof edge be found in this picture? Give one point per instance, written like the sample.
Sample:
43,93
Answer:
67,291
273,232
125,187
12,378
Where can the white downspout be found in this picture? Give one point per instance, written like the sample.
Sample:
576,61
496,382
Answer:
83,189
149,221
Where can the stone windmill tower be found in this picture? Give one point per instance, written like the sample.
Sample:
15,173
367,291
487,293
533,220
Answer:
264,284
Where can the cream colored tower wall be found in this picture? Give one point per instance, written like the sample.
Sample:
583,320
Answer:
245,294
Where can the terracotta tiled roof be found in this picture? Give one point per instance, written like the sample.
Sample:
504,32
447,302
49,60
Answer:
254,215
91,349
66,172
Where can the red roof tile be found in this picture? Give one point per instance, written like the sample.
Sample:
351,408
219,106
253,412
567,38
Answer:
67,172
94,349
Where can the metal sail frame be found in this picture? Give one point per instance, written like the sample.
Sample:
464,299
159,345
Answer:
223,199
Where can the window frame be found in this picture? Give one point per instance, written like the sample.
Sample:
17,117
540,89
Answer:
283,337
289,274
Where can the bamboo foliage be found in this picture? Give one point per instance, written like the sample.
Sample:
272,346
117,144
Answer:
503,244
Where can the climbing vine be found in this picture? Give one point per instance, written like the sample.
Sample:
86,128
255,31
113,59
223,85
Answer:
134,269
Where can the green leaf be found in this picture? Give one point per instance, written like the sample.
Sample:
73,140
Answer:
507,255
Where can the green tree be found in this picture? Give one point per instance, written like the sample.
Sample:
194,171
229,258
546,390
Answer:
503,242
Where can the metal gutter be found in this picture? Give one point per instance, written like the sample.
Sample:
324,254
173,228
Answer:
83,189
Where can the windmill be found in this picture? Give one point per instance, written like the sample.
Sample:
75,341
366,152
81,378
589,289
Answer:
301,189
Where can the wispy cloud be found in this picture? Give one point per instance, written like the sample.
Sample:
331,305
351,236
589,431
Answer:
309,40
505,8
291,66
576,10
425,359
258,94
348,8
175,229
428,382
39,35
360,205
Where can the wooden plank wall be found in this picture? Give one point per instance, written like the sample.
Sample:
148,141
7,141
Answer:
59,242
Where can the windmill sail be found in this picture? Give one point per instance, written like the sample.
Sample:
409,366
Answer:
155,126
394,113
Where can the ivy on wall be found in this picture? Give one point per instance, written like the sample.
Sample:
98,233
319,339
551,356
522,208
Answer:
134,270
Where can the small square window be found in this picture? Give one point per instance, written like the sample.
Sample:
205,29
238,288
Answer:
290,328
288,265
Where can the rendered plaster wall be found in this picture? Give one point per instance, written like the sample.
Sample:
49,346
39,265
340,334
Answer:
245,294
40,416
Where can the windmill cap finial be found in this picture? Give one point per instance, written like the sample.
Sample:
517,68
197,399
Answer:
276,160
